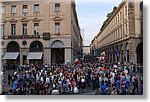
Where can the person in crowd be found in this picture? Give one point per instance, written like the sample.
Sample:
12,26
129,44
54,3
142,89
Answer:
76,78
15,86
9,79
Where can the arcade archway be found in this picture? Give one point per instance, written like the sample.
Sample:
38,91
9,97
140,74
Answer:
12,55
35,55
139,52
57,52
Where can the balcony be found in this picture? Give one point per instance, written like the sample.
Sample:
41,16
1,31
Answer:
22,37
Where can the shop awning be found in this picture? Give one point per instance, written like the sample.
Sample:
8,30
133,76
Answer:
11,55
35,55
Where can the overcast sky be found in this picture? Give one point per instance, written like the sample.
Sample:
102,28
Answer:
92,14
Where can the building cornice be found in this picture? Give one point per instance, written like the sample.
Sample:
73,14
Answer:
24,19
12,20
108,20
57,18
35,19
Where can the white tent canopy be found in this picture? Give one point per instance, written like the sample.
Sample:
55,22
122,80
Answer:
11,55
35,55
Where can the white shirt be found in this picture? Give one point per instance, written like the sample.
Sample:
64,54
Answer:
112,80
47,80
133,79
55,92
37,77
42,79
46,66
113,74
100,79
75,90
128,78
82,80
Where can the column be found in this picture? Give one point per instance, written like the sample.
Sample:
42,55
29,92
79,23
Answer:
21,56
126,54
27,52
72,56
132,52
50,57
68,55
46,56
115,56
22,53
121,57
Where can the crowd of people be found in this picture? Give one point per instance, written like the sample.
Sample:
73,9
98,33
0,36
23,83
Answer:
101,77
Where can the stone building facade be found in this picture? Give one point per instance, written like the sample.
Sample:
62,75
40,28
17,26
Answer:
39,31
121,35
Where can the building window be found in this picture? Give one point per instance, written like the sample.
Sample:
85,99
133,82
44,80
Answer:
13,29
24,29
141,6
24,9
118,18
126,28
120,15
57,27
13,9
116,35
36,8
141,27
125,10
57,7
36,28
2,29
121,33
2,9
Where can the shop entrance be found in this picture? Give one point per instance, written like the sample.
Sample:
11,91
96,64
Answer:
57,55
